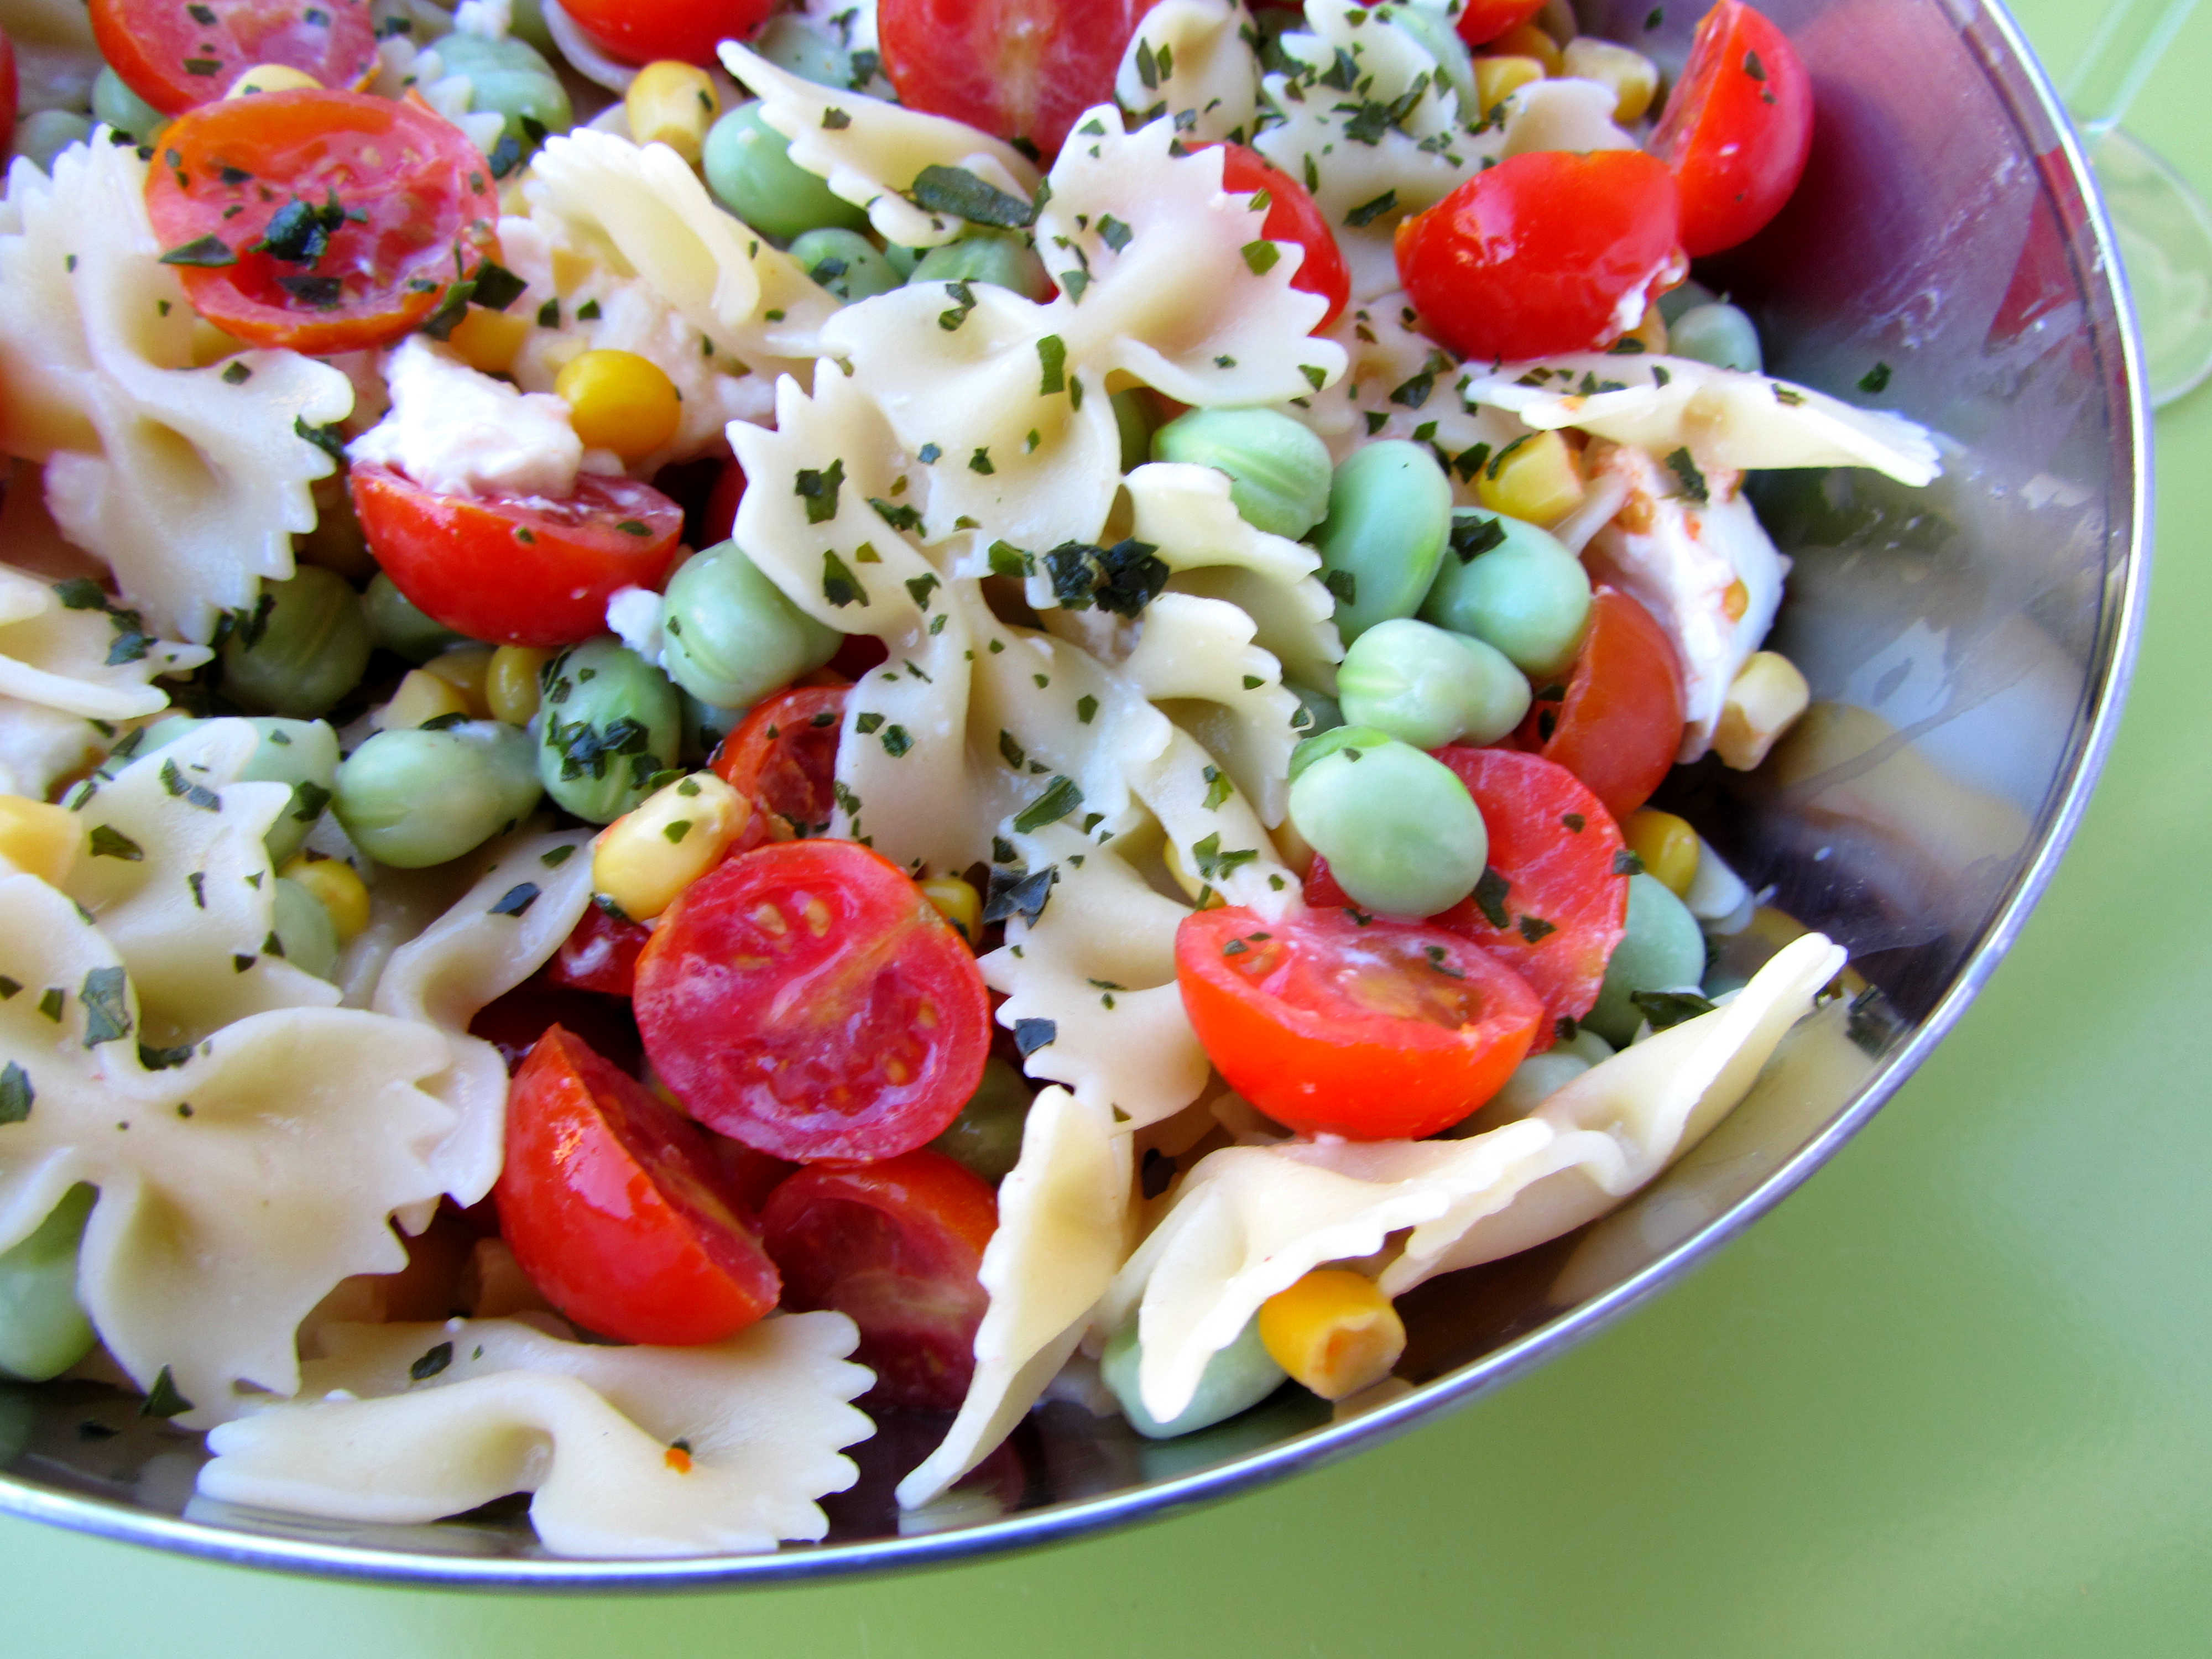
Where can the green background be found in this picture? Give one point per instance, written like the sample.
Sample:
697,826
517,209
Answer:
1951,1398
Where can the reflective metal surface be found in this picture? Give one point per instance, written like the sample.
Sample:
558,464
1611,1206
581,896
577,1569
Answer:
1968,647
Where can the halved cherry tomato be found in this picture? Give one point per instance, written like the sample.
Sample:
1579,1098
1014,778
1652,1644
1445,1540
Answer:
1546,253
1020,68
807,999
518,569
1737,128
321,221
1375,1031
514,1022
783,755
640,31
599,954
1484,21
719,516
895,1245
178,57
1618,722
615,1208
1293,215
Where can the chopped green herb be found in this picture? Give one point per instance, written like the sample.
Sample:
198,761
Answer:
163,1399
206,253
106,1010
1262,257
1668,1008
1875,379
517,900
1490,896
16,1094
109,842
434,1360
1062,796
1686,469
941,189
1031,1034
819,489
839,585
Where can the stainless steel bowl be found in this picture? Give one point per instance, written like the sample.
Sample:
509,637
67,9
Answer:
1969,647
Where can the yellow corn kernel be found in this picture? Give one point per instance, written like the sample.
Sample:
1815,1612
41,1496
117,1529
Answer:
957,901
1763,700
37,839
420,698
338,887
620,401
675,834
671,103
1333,1332
272,77
1196,890
489,340
1529,41
467,669
1537,479
1668,846
511,683
1633,77
1651,332
1497,79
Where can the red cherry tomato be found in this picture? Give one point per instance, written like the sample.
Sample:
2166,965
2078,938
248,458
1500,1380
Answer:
615,1208
518,569
1546,253
896,1245
783,755
640,31
719,516
177,58
1378,1031
1484,21
1020,68
513,1024
806,999
1619,723
1293,215
375,205
1737,129
599,954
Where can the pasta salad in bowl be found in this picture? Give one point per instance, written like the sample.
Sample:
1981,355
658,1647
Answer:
745,746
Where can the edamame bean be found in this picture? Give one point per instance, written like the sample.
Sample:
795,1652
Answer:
113,104
1318,712
1685,297
526,21
748,167
1235,1380
45,133
301,753
846,263
903,259
1535,1080
43,1330
1401,833
1593,1049
998,256
1662,950
987,1136
305,930
731,637
1429,687
1513,586
1279,471
415,797
301,648
399,628
1327,743
1719,334
510,77
1389,509
797,47
1133,422
611,723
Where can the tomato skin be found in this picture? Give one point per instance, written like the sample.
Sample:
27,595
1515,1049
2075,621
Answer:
640,31
148,45
615,1206
515,1023
806,999
1484,21
1620,724
1020,68
1737,128
783,755
10,93
896,1245
464,561
1293,215
427,201
1387,1030
599,954
719,517
1545,253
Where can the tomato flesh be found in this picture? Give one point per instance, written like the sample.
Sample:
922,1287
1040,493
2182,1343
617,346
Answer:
599,954
326,222
642,31
783,755
896,1245
177,58
1377,1031
518,569
1484,21
806,999
614,1206
1293,215
1619,724
1020,68
1737,128
1545,253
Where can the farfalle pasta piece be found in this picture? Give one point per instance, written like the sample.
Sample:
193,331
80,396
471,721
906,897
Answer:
721,1448
1198,656
1063,1228
63,647
238,1184
1366,57
1192,62
190,483
1401,384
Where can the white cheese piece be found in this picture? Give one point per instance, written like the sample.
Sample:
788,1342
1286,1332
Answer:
456,432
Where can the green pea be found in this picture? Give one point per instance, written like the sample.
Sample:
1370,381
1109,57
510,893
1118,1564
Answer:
1338,736
1389,509
987,1136
1235,1380
1719,334
846,263
1685,297
1399,832
417,797
1662,950
45,133
43,1330
611,723
748,167
903,259
1432,32
1593,1049
399,628
302,647
1279,471
998,256
1133,423
304,929
511,78
113,104
1318,712
797,47
1535,1080
731,637
1429,687
1515,586
303,754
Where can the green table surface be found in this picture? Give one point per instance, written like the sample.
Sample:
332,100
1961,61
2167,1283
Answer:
1952,1397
